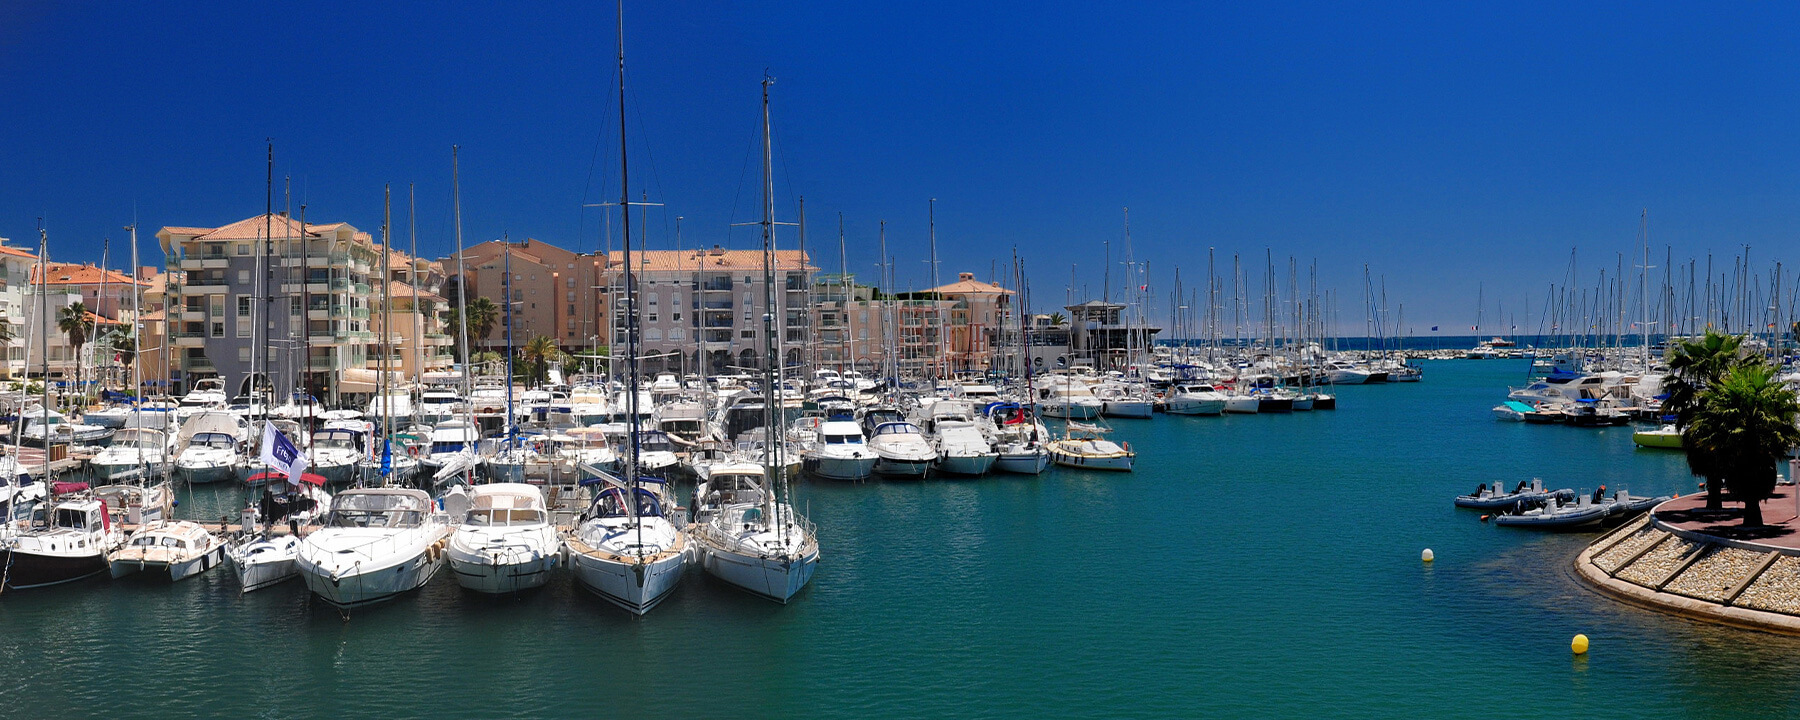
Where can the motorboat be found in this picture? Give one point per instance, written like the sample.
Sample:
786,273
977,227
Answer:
840,453
1554,514
902,450
1667,437
1241,400
1087,448
1595,413
627,549
47,427
134,450
438,405
1122,400
1513,410
962,448
453,441
1194,399
375,544
1525,495
505,542
749,539
207,394
338,450
71,545
182,549
1275,400
212,446
1069,398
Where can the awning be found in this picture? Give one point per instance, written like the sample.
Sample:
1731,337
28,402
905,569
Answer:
359,380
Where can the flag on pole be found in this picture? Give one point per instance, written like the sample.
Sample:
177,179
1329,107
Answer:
279,453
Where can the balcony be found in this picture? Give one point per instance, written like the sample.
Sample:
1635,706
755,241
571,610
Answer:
716,285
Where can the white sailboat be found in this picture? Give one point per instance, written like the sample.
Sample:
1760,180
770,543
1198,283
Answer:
627,548
763,547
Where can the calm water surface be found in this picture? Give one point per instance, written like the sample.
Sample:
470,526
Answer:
1260,566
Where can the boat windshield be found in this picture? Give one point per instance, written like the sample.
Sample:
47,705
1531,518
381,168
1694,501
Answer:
376,510
503,517
212,440
843,440
448,447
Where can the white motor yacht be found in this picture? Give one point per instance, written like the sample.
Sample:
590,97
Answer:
452,442
629,552
1125,400
1194,399
902,450
1019,439
211,447
50,427
183,549
1067,397
338,450
133,449
840,453
505,542
375,544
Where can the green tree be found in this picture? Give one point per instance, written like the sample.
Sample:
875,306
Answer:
1057,318
482,315
536,356
1695,365
74,322
1742,426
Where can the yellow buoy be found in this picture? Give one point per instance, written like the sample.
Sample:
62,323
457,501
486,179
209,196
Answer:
1579,644
1427,556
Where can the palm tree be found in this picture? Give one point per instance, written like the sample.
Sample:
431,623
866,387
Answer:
483,313
1057,318
1743,425
1695,365
537,355
74,322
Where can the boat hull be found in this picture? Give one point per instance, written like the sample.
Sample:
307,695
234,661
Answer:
1244,404
1192,406
777,579
29,570
177,571
501,574
205,474
372,585
637,587
1131,409
1023,463
1657,439
966,465
841,468
900,468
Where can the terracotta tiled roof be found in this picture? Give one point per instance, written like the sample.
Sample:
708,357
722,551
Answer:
73,274
403,290
15,252
707,260
968,285
196,231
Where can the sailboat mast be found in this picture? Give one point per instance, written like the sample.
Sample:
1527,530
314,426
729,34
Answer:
44,355
630,309
772,416
137,373
844,290
462,279
383,385
412,278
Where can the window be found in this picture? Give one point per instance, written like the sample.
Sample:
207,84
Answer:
571,282
243,249
747,334
243,277
243,329
244,354
571,309
653,334
571,294
651,317
571,323
294,306
677,334
217,329
243,306
216,306
677,315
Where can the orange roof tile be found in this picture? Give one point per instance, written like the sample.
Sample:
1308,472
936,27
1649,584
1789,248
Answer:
81,274
15,252
968,285
708,260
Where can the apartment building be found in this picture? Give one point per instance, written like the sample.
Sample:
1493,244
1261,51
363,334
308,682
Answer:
555,292
317,296
696,304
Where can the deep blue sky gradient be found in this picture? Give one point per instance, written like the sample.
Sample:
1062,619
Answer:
1447,146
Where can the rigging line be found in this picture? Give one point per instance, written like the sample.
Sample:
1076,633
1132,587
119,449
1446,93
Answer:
745,170
600,136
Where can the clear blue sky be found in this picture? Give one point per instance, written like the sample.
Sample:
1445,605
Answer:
1445,145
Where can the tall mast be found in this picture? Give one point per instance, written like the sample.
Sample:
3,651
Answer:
772,416
844,291
1644,324
44,355
630,310
384,386
100,301
412,278
462,280
937,308
137,376
506,309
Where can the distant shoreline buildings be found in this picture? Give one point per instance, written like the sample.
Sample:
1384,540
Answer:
338,309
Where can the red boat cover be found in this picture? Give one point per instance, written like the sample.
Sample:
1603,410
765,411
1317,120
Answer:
272,476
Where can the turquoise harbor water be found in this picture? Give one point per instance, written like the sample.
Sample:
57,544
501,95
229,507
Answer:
1263,566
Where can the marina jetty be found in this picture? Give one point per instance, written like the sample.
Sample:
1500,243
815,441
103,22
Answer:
1681,559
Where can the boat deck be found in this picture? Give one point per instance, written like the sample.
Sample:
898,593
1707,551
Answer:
1780,513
